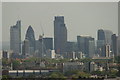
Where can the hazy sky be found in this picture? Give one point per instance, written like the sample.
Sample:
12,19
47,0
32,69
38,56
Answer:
81,18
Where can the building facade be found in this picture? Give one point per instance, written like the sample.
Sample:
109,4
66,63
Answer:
118,46
25,48
100,44
72,66
114,44
92,67
48,42
104,38
105,35
71,46
5,54
50,54
60,35
106,51
83,44
15,38
91,48
44,45
40,47
31,38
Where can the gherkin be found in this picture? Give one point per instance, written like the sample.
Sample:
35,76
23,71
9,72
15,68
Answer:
31,37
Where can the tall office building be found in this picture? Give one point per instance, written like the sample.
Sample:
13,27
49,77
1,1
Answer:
71,46
31,38
118,39
100,44
83,44
40,47
91,48
100,41
105,35
114,44
118,46
60,35
25,48
44,45
48,42
15,38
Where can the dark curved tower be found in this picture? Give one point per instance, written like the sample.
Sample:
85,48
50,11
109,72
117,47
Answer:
30,36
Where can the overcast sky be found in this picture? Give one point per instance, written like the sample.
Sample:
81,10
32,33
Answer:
81,18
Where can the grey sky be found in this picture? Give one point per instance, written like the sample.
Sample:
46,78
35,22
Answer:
80,18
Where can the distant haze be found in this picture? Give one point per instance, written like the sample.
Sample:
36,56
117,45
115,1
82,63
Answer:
81,18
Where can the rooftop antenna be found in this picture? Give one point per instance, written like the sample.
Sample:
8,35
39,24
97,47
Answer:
42,31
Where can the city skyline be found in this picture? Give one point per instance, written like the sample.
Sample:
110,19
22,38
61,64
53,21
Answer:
69,20
78,40
86,44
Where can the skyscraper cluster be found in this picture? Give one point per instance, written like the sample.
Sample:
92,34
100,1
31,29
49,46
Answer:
30,46
107,43
86,45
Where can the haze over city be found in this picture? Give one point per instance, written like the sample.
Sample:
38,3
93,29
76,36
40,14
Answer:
80,18
61,40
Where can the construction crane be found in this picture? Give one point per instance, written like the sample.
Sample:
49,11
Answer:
43,46
43,51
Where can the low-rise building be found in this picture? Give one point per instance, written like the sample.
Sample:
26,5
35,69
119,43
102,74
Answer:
70,55
71,66
50,53
93,66
80,55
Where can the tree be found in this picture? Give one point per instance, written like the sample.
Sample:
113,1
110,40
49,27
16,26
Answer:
83,74
77,74
56,75
112,73
96,73
117,59
6,77
5,62
16,64
69,73
85,60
